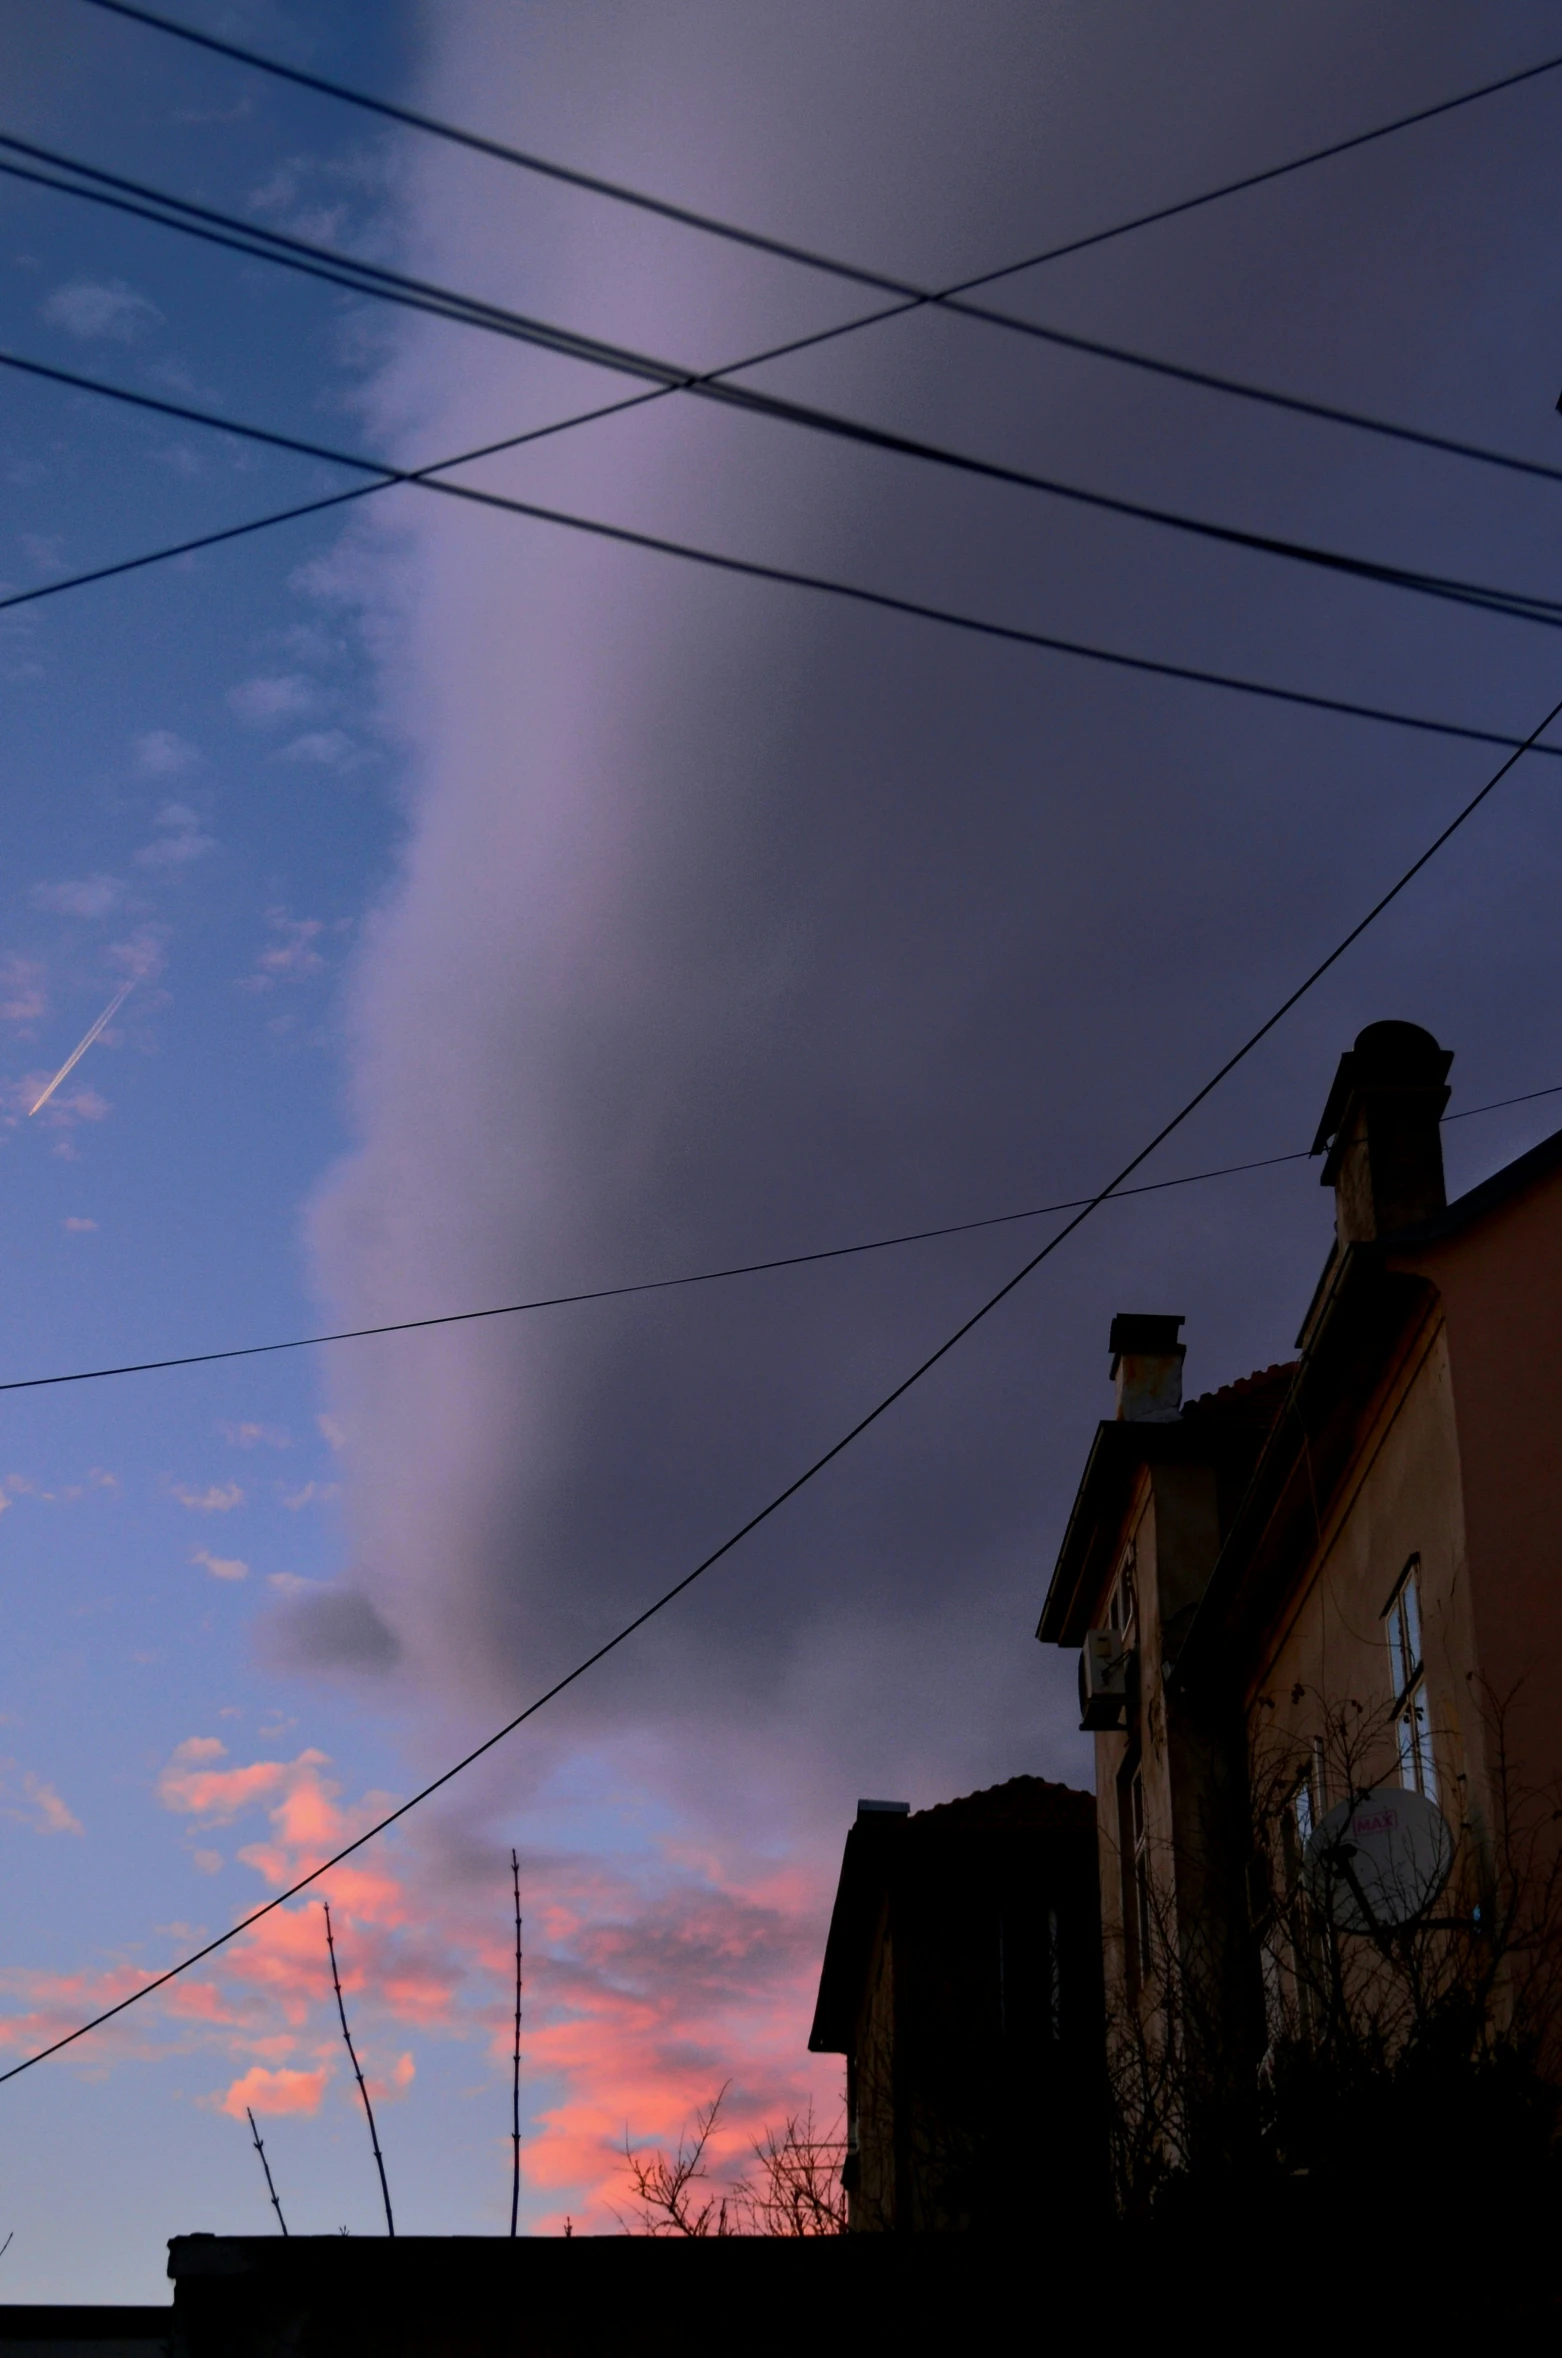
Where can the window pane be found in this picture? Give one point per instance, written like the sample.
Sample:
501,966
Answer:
1398,1673
1426,1774
1412,1606
1407,1750
1304,1814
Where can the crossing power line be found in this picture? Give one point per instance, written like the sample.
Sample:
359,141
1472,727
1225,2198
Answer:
316,261
837,1448
657,1285
431,478
349,271
619,193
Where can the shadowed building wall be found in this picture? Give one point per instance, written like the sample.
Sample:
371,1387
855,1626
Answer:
962,1982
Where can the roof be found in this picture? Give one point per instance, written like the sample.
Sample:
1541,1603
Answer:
1227,1426
880,1845
1474,1205
1025,1805
1368,1308
1266,1386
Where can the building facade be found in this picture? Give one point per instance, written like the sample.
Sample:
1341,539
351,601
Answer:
1341,1575
962,1983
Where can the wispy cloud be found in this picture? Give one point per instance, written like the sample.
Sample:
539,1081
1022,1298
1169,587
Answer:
311,1494
182,845
36,1804
163,753
51,1814
221,1567
84,896
99,310
23,998
219,1498
46,549
75,1225
253,1436
311,196
61,1111
261,703
327,749
291,955
141,958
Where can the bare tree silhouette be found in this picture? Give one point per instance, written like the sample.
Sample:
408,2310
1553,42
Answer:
266,2166
363,2085
797,2190
515,2082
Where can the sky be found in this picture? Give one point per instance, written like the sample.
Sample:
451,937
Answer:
509,913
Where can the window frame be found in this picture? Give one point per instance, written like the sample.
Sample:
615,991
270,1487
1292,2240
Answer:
1404,1628
1137,1881
1123,1610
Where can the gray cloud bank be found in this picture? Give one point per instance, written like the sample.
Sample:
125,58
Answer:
733,922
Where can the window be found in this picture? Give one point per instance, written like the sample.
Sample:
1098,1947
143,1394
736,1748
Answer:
1141,1870
1407,1676
1124,1601
1293,1959
1309,1801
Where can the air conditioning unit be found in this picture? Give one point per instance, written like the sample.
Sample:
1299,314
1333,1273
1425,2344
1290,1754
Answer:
1103,1679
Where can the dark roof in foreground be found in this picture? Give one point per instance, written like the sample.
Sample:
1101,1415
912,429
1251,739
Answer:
881,1844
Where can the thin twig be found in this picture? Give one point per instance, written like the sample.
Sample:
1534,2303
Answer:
515,2087
266,2166
363,2085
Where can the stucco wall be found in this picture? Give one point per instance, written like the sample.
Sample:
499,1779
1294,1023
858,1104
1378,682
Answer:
1501,1284
1326,1673
1112,1750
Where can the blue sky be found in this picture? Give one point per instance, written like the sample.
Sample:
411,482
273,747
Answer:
510,913
196,772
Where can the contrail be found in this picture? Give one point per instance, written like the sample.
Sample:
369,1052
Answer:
77,1053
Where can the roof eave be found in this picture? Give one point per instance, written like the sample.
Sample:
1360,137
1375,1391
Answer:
864,1873
1367,1302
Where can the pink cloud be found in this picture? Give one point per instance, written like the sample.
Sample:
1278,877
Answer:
191,1783
275,2091
652,1979
51,1814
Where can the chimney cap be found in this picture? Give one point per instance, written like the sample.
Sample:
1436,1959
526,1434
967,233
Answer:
1143,1332
1387,1055
883,1809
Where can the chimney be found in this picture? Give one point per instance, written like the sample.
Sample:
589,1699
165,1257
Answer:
1147,1368
1380,1132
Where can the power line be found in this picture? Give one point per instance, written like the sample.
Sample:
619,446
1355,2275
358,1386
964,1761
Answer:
912,297
618,193
656,1285
837,1448
322,262
157,206
748,568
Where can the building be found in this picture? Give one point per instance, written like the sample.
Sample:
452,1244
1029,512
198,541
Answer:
1338,1575
962,1982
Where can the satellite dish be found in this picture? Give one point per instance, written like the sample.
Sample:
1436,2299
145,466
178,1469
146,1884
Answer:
1378,1860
